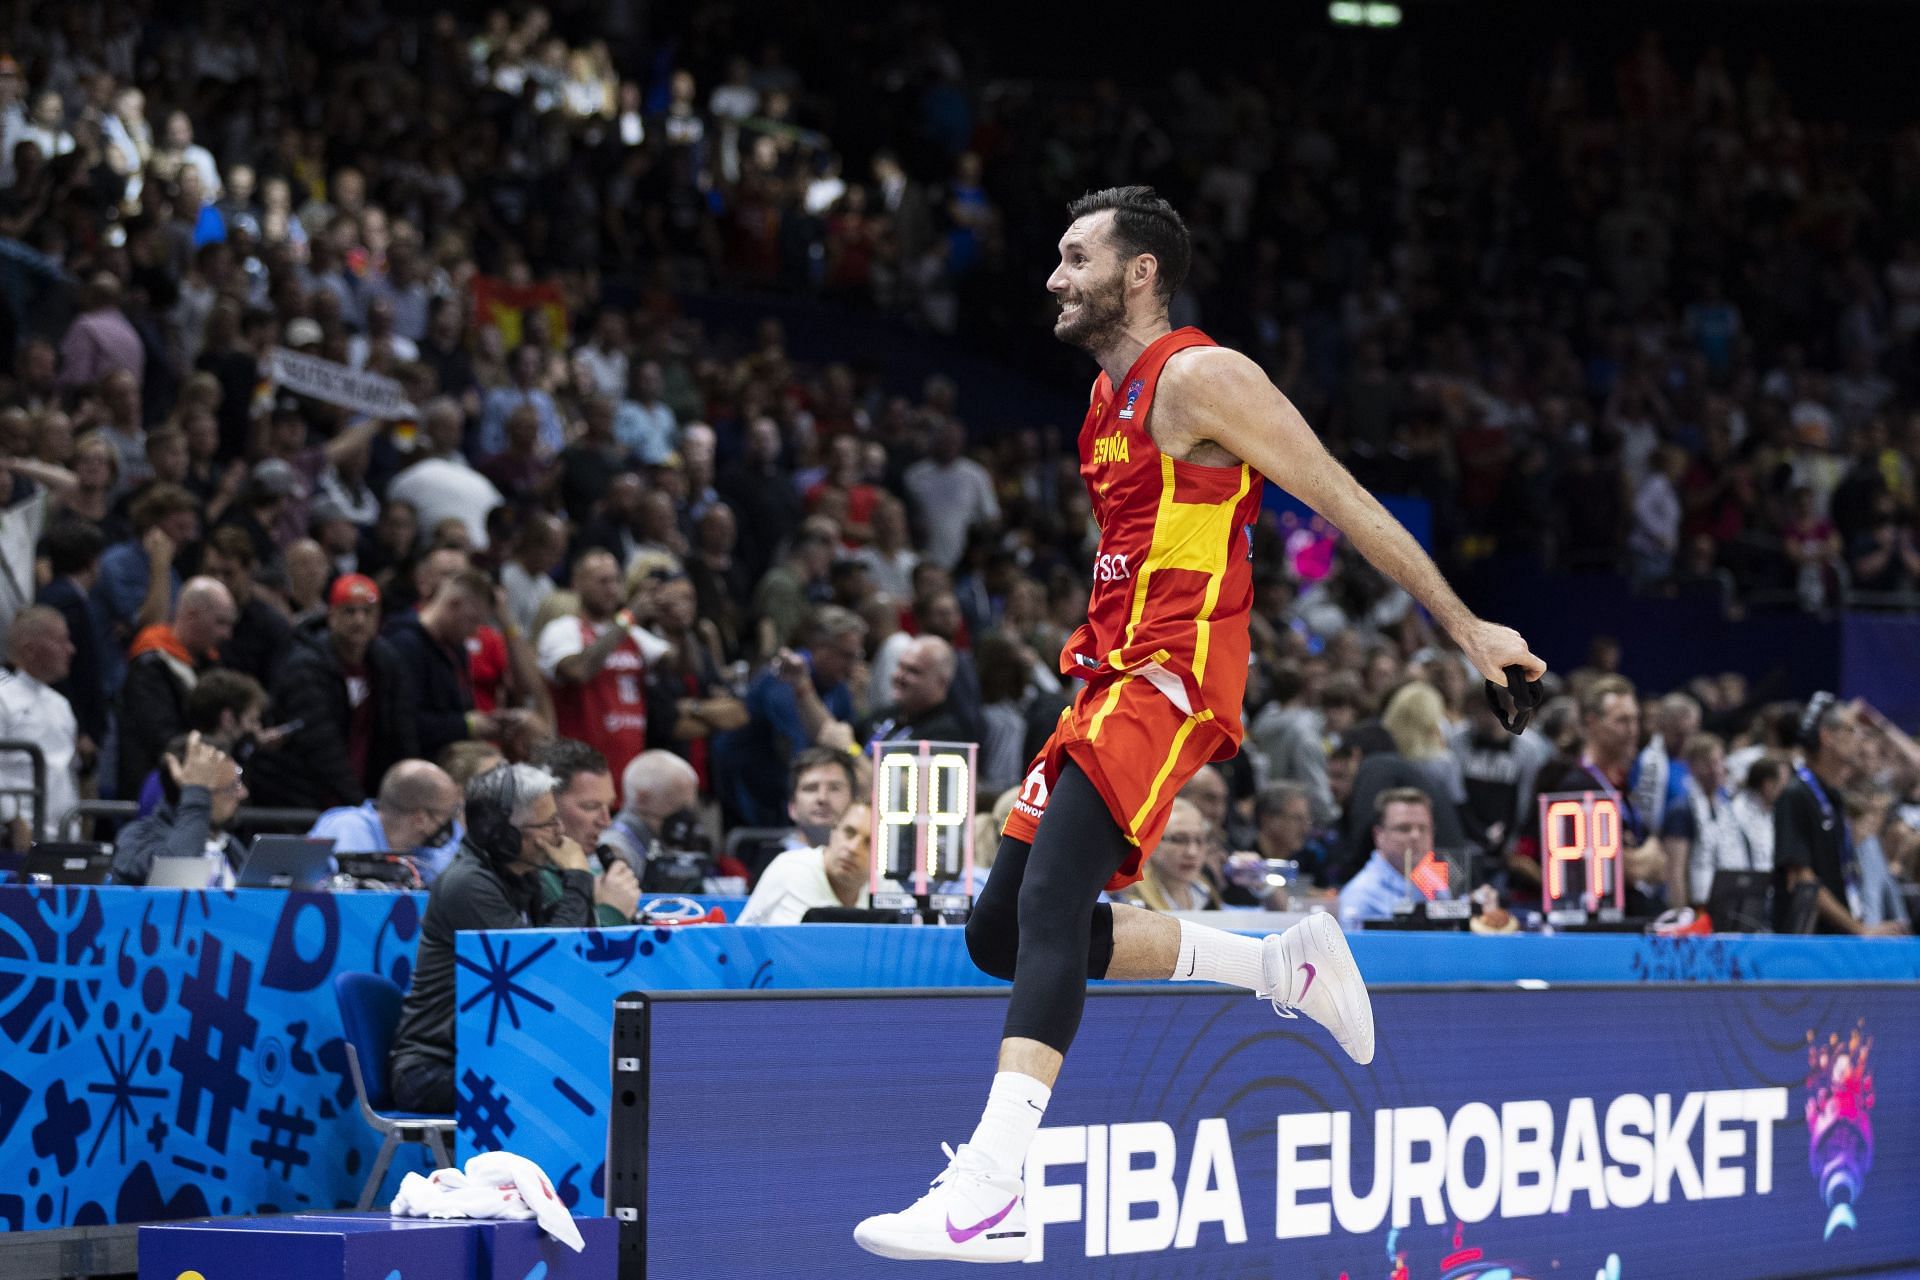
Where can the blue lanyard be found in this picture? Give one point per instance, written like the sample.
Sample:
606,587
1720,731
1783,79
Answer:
1628,814
1828,817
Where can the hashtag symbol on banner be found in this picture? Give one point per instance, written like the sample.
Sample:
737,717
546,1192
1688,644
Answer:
482,1112
208,1056
271,1148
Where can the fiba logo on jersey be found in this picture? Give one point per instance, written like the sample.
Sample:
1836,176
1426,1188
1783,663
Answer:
1134,389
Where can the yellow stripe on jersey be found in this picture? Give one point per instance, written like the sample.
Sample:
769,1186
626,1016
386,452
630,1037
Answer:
1197,536
1106,708
1180,737
1203,629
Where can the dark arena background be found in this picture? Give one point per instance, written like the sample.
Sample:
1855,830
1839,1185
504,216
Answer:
665,396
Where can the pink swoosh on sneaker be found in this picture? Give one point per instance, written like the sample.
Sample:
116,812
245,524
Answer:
959,1236
1312,973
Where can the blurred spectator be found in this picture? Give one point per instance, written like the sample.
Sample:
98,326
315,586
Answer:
1402,836
1815,869
416,814
685,686
583,798
1753,804
442,485
1710,826
784,595
1882,898
72,552
1175,876
595,662
645,424
345,689
951,494
101,341
1660,770
918,708
1283,820
657,785
834,875
525,576
1499,770
202,791
39,653
1287,732
430,651
163,663
260,631
525,390
800,700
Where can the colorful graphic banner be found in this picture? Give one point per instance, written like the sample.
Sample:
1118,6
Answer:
171,1053
1622,1134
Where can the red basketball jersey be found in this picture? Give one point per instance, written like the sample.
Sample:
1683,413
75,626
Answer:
1173,581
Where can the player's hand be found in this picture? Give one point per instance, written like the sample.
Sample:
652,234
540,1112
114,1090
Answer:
1493,648
617,888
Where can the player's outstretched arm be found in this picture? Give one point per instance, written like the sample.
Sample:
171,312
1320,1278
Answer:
1216,394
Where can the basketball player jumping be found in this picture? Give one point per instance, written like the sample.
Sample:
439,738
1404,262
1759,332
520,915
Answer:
1178,433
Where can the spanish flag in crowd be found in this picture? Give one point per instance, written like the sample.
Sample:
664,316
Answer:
535,311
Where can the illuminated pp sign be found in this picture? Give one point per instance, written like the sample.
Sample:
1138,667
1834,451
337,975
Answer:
1580,867
923,814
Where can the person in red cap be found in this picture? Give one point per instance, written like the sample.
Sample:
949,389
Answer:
342,686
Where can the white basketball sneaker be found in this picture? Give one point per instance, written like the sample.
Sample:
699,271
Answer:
1309,969
973,1213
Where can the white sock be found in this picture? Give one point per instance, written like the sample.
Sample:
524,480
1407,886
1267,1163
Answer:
1214,955
1015,1106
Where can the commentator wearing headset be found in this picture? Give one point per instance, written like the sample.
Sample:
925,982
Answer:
513,830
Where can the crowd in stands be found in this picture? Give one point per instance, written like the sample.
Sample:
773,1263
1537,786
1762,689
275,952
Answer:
1659,320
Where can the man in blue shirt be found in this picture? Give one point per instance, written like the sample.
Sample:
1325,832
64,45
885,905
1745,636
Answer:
525,389
801,700
416,813
1402,835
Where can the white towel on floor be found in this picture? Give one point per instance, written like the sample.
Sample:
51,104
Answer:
495,1184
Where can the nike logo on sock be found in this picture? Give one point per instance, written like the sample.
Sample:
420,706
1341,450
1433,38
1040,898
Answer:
1193,962
961,1235
1312,973
1036,1106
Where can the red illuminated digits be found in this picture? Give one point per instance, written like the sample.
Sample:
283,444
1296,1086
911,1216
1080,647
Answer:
1566,838
1605,877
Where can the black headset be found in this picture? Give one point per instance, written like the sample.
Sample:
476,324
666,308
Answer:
491,800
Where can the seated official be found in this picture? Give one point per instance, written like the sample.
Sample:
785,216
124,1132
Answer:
201,790
513,830
583,795
225,708
1176,870
1402,835
833,876
657,785
417,813
820,784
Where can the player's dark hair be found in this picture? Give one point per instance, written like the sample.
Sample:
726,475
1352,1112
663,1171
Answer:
1143,222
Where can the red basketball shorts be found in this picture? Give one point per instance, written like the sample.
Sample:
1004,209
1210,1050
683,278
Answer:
1137,749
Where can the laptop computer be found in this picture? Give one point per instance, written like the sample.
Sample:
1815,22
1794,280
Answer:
75,862
179,873
1741,902
287,862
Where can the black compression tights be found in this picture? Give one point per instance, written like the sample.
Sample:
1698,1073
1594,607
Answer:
1038,921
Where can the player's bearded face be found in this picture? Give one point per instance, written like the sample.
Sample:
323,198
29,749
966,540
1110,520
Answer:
1091,317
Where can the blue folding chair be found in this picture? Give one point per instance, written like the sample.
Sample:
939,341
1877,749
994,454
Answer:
369,1013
